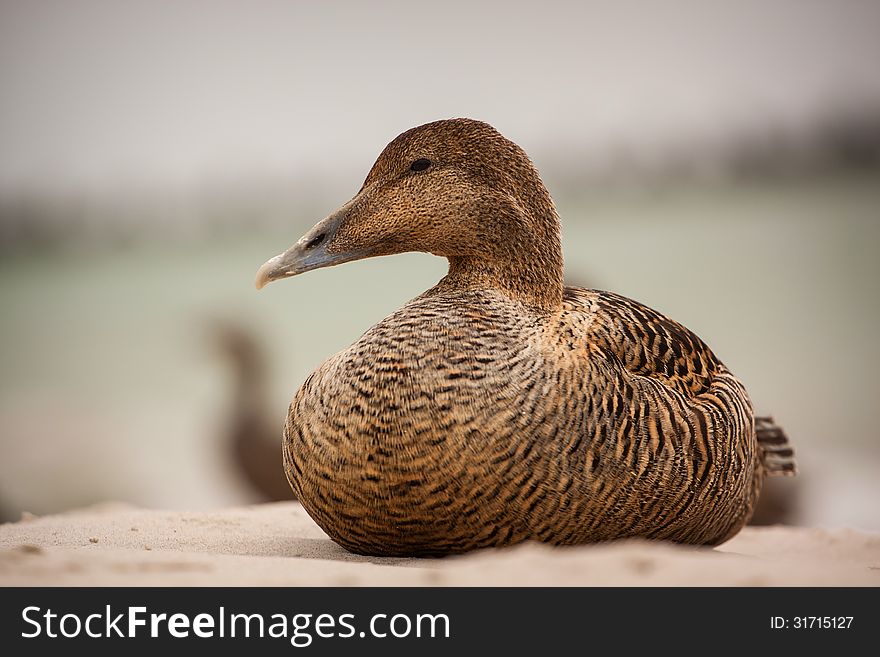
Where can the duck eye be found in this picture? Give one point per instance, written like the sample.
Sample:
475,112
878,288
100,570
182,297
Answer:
420,165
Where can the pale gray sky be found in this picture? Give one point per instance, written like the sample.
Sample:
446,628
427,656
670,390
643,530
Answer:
104,94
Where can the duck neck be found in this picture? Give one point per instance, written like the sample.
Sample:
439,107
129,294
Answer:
527,272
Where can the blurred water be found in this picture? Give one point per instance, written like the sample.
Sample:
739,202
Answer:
110,388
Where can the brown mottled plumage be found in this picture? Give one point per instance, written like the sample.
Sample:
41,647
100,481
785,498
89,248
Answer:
500,406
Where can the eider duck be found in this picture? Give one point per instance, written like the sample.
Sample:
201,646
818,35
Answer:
501,406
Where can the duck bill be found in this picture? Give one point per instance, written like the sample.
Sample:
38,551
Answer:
310,252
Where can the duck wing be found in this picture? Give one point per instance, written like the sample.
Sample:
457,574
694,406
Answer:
648,344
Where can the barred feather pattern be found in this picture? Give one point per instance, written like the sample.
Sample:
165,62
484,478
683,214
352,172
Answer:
467,419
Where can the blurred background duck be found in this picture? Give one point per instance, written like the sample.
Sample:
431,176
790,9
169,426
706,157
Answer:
251,434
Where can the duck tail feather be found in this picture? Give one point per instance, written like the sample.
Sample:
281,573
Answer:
777,455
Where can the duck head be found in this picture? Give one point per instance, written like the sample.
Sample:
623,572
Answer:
454,188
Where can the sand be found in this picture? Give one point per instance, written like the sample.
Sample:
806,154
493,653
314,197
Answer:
278,544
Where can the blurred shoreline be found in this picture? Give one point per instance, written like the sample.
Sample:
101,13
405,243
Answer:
108,385
844,144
